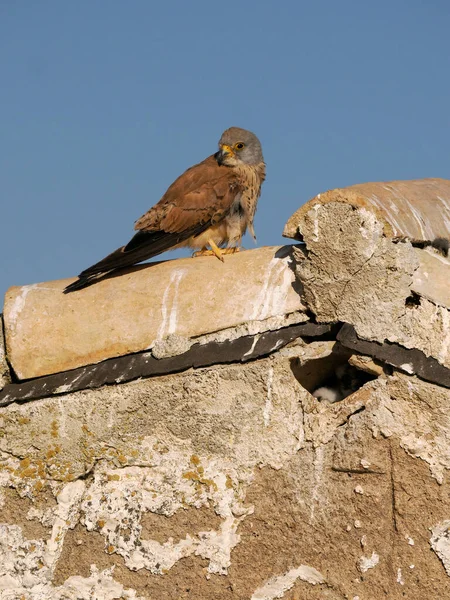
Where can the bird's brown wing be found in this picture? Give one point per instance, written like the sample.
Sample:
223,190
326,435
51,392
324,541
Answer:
203,194
199,198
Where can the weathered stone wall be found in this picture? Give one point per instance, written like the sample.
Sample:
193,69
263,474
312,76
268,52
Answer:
294,443
229,482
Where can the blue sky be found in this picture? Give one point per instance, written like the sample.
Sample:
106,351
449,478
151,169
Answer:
104,103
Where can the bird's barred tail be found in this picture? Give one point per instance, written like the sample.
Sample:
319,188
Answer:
142,246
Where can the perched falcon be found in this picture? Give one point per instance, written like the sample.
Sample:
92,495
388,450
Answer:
211,204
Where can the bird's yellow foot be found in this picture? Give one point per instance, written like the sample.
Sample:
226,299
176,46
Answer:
202,252
231,250
215,251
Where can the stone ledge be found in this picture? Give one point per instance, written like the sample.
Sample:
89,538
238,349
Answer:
240,350
134,366
49,332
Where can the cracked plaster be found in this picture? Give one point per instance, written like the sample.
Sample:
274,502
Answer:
198,440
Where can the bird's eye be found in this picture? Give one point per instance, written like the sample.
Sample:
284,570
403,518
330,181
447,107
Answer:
239,145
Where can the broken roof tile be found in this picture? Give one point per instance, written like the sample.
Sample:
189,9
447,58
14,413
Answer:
418,209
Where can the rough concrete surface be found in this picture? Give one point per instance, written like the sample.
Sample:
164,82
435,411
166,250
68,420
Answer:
48,332
352,272
231,482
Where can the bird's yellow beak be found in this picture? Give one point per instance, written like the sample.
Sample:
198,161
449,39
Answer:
226,149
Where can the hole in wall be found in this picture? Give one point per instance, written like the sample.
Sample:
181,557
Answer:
331,378
412,301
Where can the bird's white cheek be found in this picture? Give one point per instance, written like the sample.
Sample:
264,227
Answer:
230,161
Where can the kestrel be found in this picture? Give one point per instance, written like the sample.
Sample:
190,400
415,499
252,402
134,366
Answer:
211,204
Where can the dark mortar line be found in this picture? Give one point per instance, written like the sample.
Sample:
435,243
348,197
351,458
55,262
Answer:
143,365
424,367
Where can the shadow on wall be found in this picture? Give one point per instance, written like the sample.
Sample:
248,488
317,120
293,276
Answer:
288,251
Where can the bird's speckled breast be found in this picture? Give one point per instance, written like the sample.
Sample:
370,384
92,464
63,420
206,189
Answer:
251,178
229,232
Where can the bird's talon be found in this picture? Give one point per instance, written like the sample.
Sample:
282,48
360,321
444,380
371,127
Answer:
203,252
215,249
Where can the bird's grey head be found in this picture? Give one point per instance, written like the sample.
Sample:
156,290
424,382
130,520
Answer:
238,146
